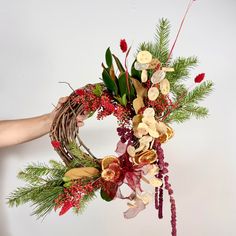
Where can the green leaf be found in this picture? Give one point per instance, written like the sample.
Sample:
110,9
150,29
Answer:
118,63
108,56
135,73
98,90
122,84
124,100
105,196
110,84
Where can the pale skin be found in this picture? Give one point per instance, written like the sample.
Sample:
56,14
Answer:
19,131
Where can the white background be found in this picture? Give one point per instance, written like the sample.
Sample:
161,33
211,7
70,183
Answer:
44,42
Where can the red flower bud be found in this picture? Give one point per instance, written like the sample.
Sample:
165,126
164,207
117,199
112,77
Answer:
199,78
123,45
56,144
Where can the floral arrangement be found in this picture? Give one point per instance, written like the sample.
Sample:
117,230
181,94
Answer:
146,100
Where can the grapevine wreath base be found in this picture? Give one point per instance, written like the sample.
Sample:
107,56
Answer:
146,101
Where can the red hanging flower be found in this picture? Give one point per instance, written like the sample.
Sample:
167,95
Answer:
199,78
66,207
56,144
123,45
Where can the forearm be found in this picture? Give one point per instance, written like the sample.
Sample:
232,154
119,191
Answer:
19,131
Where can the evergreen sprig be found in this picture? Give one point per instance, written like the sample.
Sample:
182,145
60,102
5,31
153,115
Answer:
44,184
81,159
159,48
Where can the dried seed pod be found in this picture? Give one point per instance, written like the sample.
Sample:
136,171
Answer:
153,93
138,66
158,76
144,76
165,86
144,57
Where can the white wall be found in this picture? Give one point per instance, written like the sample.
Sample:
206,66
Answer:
43,42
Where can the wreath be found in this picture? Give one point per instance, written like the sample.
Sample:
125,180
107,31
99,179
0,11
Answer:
146,100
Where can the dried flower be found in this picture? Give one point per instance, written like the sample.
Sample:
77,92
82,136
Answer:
123,45
56,144
199,78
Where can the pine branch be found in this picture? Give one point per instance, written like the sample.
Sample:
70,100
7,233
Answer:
182,67
81,159
35,172
199,93
159,48
162,40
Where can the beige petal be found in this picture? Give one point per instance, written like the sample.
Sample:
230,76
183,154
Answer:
153,93
156,182
145,139
153,133
144,57
149,112
165,86
144,76
142,129
145,197
140,148
131,150
161,127
137,104
158,76
154,170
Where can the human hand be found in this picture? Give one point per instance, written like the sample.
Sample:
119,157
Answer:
80,119
56,109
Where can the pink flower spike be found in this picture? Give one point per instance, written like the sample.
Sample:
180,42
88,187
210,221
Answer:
199,78
56,144
123,45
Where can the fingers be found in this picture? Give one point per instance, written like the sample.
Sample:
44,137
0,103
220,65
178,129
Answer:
80,119
61,101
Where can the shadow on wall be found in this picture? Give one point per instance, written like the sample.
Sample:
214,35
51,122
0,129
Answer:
18,156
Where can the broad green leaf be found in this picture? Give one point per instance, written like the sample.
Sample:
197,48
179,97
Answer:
122,84
110,84
105,196
98,90
135,73
124,100
108,56
118,63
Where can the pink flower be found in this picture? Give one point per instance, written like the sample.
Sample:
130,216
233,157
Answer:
123,45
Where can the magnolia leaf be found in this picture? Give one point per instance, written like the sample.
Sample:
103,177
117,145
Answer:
108,57
110,84
140,90
105,196
135,73
112,73
138,104
124,100
122,84
118,63
77,173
